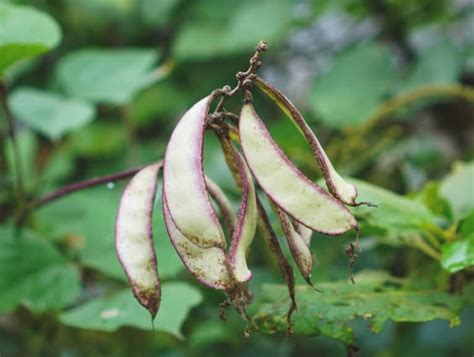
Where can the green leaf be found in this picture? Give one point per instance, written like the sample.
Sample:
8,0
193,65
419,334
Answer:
458,189
466,226
439,64
25,33
89,218
49,113
398,216
34,274
376,297
458,255
111,76
121,309
208,37
430,197
353,88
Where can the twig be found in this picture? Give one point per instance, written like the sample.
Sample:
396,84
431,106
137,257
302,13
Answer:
244,80
75,187
12,134
432,90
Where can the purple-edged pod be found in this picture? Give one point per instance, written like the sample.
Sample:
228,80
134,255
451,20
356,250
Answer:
285,184
303,231
246,224
207,265
134,237
184,183
339,188
299,248
223,203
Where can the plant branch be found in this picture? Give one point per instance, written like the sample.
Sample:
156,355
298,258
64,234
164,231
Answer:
432,90
244,82
75,187
12,134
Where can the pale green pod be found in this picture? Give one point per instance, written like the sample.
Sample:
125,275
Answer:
134,237
285,184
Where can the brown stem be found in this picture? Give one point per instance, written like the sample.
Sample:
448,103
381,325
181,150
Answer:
75,187
244,79
12,134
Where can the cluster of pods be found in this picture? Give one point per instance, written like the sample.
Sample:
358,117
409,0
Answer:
189,199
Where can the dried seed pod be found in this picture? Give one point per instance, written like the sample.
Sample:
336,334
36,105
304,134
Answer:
246,222
299,248
134,237
207,265
285,184
339,188
184,182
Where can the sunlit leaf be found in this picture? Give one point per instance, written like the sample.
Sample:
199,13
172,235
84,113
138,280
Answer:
25,33
49,113
376,297
121,309
458,255
400,217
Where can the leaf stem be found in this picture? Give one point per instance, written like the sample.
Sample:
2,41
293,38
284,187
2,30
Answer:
19,187
432,90
65,190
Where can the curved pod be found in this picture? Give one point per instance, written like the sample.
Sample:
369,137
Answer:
339,188
184,183
207,265
285,184
134,237
299,247
246,222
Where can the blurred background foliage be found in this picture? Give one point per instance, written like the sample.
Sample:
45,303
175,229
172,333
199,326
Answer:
96,86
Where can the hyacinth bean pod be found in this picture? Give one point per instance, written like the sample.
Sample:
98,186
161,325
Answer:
299,248
285,184
207,265
134,237
184,183
246,221
339,188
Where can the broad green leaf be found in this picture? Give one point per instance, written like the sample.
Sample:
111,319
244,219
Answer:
376,297
439,64
87,219
25,33
458,189
458,255
398,216
49,113
111,76
34,274
353,87
210,37
121,309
